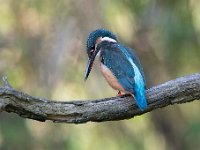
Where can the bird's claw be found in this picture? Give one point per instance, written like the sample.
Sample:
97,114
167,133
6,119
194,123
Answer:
119,94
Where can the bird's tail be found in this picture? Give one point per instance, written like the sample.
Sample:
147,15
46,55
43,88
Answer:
140,97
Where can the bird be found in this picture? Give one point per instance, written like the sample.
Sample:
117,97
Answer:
119,65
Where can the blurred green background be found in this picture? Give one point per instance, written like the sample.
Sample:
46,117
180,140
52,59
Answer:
42,51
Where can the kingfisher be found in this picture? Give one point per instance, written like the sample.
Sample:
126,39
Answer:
119,65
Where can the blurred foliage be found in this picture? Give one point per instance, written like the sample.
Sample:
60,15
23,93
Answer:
42,52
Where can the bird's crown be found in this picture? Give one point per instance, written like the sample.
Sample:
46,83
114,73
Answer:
94,35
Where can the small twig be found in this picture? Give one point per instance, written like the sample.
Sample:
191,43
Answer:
180,90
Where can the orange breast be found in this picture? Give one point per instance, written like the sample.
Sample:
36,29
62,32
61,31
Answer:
110,78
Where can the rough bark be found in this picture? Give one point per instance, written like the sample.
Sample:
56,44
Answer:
180,90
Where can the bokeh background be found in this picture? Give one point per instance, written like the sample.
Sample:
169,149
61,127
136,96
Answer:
42,51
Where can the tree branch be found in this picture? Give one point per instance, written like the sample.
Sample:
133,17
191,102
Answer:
180,90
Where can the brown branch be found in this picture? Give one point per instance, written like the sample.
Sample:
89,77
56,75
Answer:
180,90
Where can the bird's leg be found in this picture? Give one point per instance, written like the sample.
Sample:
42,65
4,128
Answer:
119,94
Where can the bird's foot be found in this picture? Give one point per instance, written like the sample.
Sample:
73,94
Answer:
119,94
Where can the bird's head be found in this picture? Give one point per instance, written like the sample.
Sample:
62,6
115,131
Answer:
93,40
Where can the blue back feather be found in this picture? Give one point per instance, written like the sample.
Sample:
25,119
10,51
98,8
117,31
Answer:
125,65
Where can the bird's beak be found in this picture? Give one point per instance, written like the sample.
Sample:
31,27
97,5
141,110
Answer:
90,63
